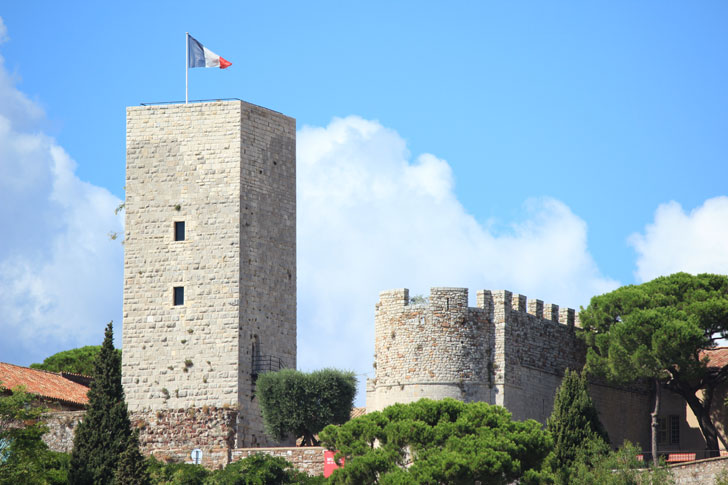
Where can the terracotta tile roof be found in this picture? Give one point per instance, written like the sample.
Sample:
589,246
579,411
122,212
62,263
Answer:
718,356
44,384
356,412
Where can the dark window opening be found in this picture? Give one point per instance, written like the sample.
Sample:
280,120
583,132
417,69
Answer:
661,430
179,231
668,430
179,295
675,430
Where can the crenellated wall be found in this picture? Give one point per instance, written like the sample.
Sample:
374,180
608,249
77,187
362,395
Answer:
507,350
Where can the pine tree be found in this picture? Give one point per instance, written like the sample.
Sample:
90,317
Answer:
104,433
574,421
132,469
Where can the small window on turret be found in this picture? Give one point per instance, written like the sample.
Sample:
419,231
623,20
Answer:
179,231
179,295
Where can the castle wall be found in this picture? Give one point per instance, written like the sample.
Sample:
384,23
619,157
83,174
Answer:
507,351
227,169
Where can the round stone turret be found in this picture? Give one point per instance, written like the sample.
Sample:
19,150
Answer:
432,347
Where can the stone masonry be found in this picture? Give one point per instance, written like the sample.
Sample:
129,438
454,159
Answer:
507,351
227,170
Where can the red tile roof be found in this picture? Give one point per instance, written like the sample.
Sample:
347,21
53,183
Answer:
44,384
718,356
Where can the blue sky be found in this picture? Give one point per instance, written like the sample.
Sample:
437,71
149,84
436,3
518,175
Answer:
556,149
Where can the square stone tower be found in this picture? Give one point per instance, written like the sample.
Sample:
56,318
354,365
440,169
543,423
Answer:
209,269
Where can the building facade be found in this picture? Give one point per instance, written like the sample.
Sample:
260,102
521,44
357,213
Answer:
209,269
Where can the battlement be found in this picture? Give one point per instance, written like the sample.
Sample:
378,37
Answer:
500,304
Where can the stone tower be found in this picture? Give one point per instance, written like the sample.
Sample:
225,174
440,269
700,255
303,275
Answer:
209,269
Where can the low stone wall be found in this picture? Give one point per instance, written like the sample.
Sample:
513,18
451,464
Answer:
61,428
306,459
309,459
700,472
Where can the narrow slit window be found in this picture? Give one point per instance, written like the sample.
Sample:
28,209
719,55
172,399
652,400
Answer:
179,231
179,295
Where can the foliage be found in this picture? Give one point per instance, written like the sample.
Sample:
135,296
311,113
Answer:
573,423
597,465
75,361
103,435
131,468
303,404
176,473
656,331
261,469
24,457
432,442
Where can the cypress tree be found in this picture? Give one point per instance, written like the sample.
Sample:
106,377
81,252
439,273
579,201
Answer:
104,433
574,421
132,469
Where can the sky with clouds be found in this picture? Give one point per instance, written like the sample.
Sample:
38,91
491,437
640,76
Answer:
558,152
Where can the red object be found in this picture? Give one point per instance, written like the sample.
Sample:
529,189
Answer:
225,63
41,383
680,457
330,464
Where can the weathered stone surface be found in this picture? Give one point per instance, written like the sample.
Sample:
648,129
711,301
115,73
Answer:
61,428
699,472
227,169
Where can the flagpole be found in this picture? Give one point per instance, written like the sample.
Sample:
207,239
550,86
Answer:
187,66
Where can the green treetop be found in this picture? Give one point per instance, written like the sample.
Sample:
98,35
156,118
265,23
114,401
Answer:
76,361
432,442
658,331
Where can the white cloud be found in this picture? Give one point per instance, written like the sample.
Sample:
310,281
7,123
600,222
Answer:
695,242
372,219
60,275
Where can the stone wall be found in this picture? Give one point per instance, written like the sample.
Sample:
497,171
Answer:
701,472
507,351
227,170
205,428
306,459
61,428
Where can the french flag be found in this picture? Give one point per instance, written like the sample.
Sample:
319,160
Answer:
200,56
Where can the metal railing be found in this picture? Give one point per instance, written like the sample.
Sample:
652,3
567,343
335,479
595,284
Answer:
267,363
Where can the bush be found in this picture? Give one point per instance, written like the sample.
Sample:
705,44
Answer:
261,469
176,473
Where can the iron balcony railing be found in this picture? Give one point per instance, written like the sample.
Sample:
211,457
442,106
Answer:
267,363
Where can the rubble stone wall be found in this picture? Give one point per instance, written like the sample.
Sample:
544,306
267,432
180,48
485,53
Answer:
61,428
